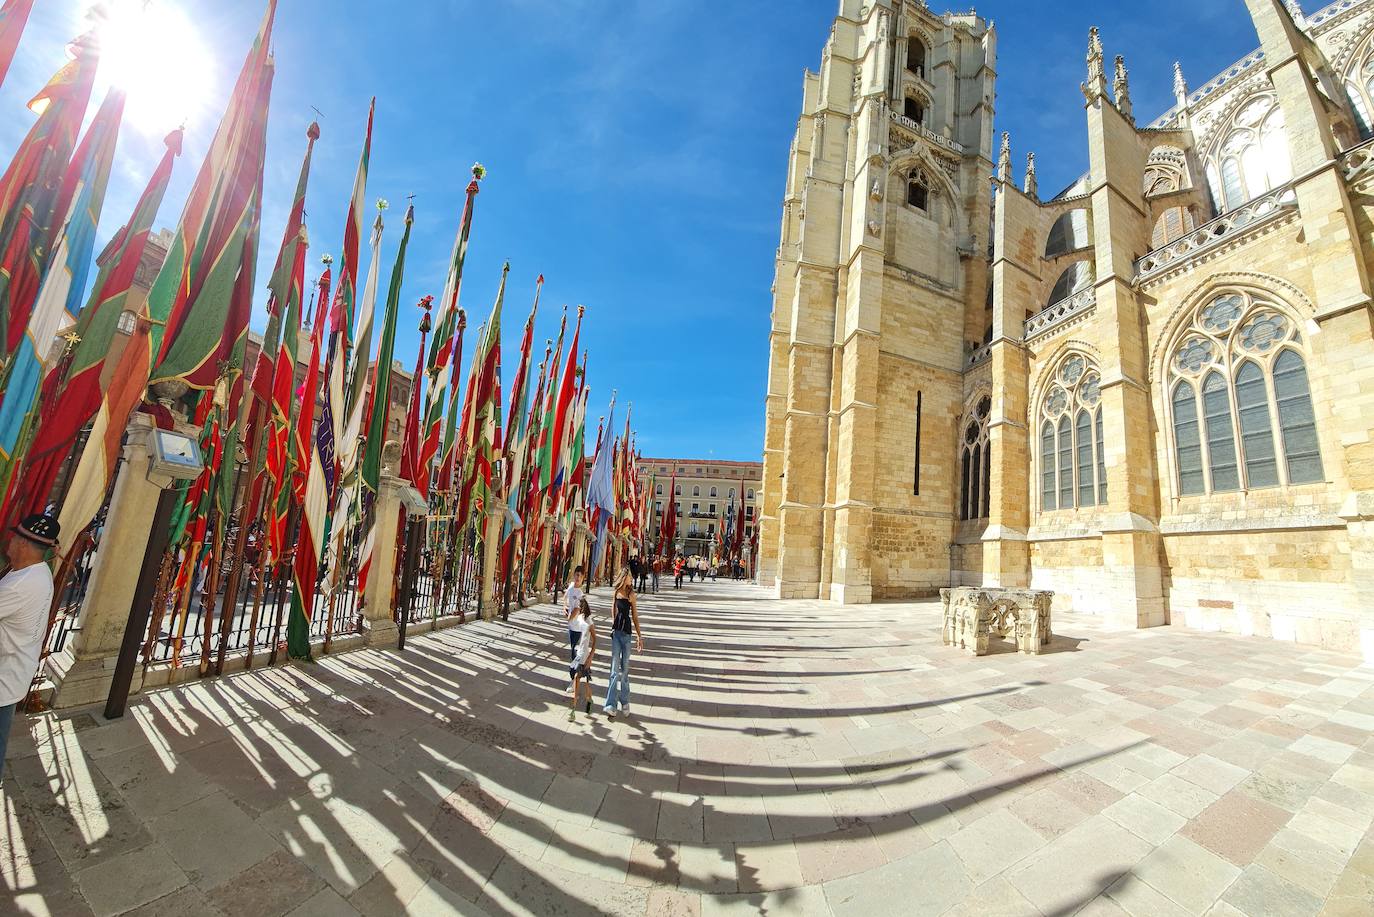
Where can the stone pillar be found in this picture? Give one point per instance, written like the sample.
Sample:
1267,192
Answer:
490,601
379,603
83,670
1016,281
1133,587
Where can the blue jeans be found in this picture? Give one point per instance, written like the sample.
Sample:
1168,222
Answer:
6,720
620,672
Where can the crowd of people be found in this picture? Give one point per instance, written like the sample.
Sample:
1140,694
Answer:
645,572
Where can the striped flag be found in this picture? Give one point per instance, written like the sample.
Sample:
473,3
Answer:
208,245
381,402
78,389
32,189
311,475
546,457
13,15
346,507
441,349
485,430
288,277
562,419
59,299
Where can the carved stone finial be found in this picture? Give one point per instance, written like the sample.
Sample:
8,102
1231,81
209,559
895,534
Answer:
1295,10
1180,86
1096,86
1032,186
1121,87
1004,159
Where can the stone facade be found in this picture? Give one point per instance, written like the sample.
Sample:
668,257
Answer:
1152,394
710,485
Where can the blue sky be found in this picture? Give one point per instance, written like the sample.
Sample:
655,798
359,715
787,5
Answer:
636,154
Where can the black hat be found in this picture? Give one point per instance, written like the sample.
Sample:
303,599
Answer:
40,528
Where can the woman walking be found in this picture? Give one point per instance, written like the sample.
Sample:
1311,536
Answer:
626,618
575,629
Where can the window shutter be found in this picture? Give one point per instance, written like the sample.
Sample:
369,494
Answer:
1221,442
1187,446
1047,492
1256,431
1296,420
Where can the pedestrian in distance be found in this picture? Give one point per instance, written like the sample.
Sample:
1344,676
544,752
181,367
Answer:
625,622
580,672
678,564
655,569
25,597
574,599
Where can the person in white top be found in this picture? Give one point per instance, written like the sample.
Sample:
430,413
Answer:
25,597
574,599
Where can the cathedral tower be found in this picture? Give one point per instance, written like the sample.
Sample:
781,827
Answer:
881,284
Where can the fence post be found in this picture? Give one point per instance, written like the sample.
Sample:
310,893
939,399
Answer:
82,672
378,603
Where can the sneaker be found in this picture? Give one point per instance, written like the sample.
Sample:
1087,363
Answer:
588,708
572,716
625,709
610,712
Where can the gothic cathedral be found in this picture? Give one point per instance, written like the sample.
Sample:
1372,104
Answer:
1152,393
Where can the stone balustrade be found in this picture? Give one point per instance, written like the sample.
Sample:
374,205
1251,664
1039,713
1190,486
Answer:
1056,314
1222,229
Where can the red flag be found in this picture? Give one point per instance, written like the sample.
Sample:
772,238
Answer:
13,15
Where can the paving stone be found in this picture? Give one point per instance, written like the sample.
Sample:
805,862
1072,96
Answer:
124,882
212,839
1190,876
1259,892
1075,868
1237,826
994,843
928,882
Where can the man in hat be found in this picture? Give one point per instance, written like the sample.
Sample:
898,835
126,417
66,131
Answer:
25,597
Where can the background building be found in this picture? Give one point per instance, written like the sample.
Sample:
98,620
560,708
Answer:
706,490
1159,401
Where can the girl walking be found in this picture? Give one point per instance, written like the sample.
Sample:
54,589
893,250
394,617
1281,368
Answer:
626,619
575,631
580,672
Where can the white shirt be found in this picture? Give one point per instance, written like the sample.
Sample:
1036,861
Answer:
584,643
25,597
574,599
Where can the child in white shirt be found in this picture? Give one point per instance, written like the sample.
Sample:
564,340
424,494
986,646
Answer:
580,671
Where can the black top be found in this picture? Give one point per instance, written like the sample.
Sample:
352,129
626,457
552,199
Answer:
623,622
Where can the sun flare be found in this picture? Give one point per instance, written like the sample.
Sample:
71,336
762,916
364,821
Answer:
155,54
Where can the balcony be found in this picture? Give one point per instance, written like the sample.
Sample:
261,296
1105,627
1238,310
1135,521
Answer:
1076,304
1228,227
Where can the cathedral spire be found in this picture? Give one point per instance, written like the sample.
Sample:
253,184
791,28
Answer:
1004,159
1121,87
1096,86
1180,87
1295,10
1032,186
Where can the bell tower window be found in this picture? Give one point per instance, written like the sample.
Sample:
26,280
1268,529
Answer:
914,110
916,57
918,190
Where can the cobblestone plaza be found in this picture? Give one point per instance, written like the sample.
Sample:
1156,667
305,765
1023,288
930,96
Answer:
789,758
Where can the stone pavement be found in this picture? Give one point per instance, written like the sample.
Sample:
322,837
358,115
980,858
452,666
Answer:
787,758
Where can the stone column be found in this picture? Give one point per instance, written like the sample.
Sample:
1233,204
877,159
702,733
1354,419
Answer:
490,602
83,670
1133,587
379,604
1016,278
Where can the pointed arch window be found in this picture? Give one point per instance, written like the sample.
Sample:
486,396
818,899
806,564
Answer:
916,56
918,190
1073,469
914,109
1253,156
1241,405
976,463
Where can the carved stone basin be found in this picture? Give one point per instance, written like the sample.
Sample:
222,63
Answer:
973,614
